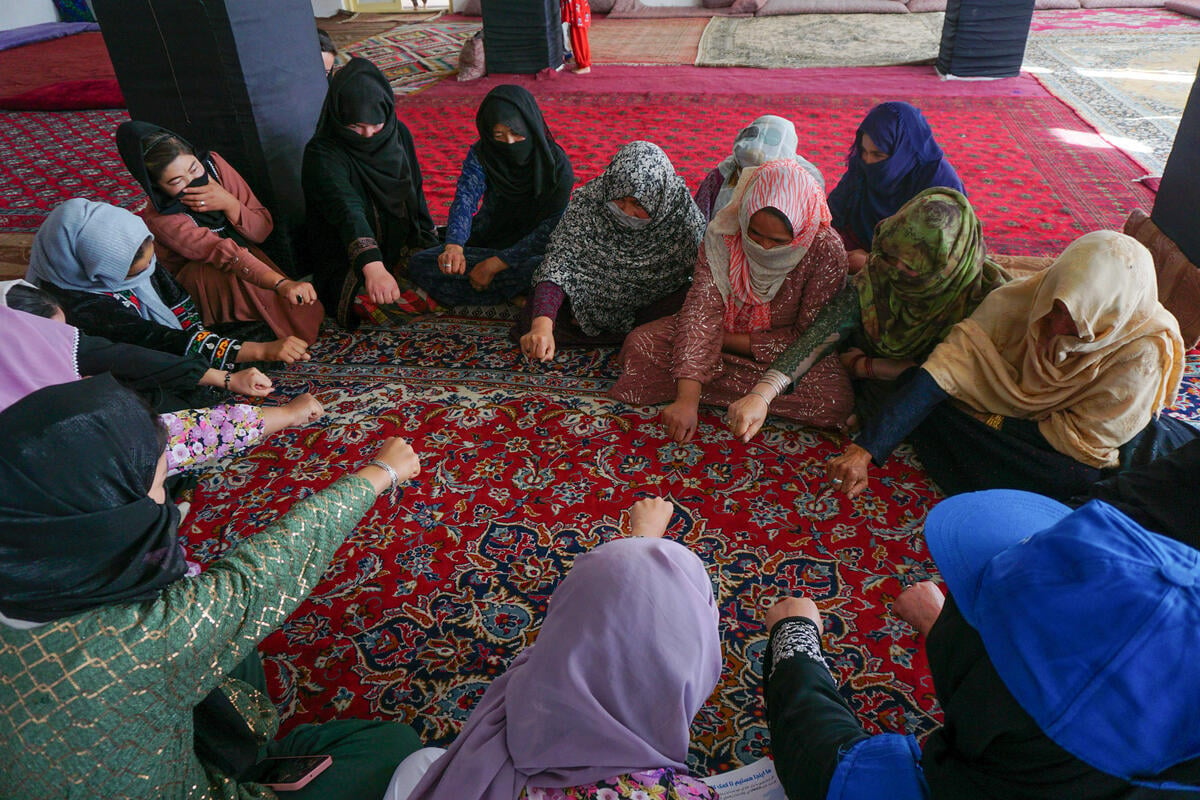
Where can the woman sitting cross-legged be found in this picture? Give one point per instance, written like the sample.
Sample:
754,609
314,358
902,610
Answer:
928,271
98,263
621,255
514,186
602,703
1055,381
208,227
768,138
769,263
366,209
894,158
119,667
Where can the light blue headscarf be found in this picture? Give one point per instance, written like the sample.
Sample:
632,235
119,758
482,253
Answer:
87,246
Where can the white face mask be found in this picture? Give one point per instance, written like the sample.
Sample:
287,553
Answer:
779,257
633,223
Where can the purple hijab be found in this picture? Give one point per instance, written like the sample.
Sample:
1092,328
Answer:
868,193
628,654
35,352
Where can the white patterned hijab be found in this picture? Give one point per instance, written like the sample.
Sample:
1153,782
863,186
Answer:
768,138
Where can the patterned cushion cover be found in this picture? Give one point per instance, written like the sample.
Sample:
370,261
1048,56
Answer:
832,7
1178,278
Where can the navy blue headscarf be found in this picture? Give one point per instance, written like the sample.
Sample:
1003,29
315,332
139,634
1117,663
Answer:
868,193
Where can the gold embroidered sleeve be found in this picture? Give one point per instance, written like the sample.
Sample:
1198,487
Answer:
215,619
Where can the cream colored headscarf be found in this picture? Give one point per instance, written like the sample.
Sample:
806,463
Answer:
1089,394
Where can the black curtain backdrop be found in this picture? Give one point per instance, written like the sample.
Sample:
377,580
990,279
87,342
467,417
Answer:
242,77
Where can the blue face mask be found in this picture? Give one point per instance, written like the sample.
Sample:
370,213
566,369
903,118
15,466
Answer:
625,220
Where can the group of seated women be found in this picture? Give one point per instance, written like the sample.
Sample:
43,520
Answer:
877,308
129,672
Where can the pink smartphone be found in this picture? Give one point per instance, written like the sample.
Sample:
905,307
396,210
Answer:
289,773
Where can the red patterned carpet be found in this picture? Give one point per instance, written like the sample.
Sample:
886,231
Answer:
524,467
1038,176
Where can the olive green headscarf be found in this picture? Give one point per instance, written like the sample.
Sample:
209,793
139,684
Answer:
928,271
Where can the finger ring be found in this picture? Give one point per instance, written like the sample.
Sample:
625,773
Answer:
201,202
837,481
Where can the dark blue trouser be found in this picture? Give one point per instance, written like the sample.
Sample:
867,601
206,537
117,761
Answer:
456,290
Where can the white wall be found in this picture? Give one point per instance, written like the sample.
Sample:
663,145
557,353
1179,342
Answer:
326,8
19,13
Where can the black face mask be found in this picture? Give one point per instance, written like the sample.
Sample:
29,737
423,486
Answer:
201,181
521,152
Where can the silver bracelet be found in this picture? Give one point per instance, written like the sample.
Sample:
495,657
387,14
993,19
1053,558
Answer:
395,477
763,396
776,379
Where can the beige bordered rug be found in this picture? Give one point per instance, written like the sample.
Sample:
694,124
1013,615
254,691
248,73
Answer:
821,40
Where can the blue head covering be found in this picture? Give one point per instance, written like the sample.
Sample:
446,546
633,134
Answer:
87,246
868,193
1091,621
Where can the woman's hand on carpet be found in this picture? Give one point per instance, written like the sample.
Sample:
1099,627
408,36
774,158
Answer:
746,415
250,382
303,409
298,293
681,419
289,350
848,472
650,516
452,261
381,286
920,605
400,456
482,273
538,344
792,607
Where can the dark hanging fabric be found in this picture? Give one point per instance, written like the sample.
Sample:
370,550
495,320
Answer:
984,38
530,180
132,138
77,530
358,93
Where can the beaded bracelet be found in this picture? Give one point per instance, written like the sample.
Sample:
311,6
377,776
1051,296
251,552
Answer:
228,375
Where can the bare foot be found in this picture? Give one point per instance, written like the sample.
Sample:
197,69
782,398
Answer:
650,516
582,70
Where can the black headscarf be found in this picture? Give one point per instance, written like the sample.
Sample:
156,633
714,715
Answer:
77,530
131,144
535,170
358,92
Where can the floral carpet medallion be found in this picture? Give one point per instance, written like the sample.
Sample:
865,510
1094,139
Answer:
525,466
